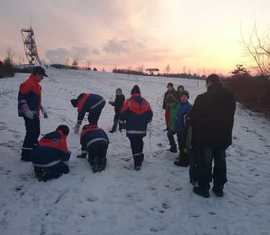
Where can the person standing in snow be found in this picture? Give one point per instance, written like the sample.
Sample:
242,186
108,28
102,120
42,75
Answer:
136,113
50,158
171,102
182,129
212,118
179,90
94,144
170,98
29,107
88,103
118,104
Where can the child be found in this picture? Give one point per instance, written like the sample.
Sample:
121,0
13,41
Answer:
118,104
94,142
183,129
50,157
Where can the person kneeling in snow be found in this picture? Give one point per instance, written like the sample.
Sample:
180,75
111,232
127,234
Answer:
137,113
94,142
50,157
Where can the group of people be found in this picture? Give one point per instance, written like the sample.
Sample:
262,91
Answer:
50,154
203,130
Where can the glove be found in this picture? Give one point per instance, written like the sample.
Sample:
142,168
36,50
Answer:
76,129
45,115
121,126
29,114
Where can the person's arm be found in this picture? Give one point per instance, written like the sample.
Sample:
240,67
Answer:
24,108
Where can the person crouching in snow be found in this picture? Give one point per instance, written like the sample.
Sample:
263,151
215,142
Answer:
183,129
50,158
118,104
88,103
137,113
94,143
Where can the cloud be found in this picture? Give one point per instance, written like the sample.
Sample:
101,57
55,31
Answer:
58,55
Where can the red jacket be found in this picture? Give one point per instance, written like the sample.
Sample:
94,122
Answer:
30,94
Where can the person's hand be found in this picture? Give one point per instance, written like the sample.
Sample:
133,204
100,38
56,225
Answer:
45,115
76,129
29,114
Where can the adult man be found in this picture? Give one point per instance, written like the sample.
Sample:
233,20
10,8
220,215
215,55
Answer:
88,103
212,118
50,158
29,107
137,113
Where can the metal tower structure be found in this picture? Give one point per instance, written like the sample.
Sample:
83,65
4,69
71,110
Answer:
30,46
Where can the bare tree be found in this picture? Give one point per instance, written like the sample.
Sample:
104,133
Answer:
168,68
258,47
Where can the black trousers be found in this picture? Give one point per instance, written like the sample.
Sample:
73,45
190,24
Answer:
32,127
115,121
52,172
170,135
94,114
97,155
205,156
136,143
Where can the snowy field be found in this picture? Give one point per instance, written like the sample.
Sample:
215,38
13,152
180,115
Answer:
120,201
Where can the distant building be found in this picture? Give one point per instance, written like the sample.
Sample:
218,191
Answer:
152,71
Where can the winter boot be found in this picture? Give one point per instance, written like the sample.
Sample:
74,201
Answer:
218,191
82,155
201,191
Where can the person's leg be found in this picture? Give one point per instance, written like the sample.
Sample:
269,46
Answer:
31,138
102,160
204,172
220,170
194,155
170,135
136,147
115,122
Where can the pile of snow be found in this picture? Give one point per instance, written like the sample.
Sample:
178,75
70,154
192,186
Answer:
156,200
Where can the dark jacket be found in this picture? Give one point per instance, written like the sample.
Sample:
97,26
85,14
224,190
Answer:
170,98
30,95
212,118
51,150
118,103
183,110
92,134
87,103
137,113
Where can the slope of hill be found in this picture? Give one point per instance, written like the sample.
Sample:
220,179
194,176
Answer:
120,201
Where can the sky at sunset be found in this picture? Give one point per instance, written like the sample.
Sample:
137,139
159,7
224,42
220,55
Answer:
196,35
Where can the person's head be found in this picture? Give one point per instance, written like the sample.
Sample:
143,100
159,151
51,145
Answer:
118,91
74,102
170,86
180,88
64,129
39,72
135,90
212,80
184,96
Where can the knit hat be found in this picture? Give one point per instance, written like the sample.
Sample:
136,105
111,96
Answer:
64,129
213,78
135,90
74,102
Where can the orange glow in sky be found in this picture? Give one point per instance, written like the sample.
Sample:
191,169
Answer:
194,35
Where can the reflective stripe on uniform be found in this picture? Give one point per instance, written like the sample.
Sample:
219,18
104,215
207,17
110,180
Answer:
136,132
95,140
47,165
137,154
97,104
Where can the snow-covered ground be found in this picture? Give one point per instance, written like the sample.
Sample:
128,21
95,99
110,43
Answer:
156,200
